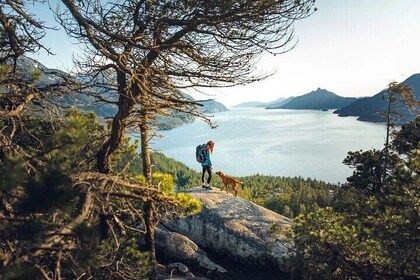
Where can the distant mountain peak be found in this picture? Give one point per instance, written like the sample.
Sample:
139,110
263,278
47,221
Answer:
322,91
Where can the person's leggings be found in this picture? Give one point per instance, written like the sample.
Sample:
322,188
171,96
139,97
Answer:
207,169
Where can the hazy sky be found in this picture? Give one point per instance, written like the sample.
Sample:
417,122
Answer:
352,48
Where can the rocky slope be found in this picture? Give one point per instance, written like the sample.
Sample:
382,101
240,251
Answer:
235,229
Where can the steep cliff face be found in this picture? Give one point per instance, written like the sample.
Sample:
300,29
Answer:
235,228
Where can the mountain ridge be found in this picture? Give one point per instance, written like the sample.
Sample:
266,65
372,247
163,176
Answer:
369,108
278,104
259,103
85,102
316,100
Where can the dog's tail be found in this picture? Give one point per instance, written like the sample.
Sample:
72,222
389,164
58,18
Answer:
242,185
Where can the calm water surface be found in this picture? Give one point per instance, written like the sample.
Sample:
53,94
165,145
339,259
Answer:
275,142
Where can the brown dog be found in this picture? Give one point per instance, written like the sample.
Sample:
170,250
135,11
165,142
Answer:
229,181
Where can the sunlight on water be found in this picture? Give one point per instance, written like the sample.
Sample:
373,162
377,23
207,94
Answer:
275,142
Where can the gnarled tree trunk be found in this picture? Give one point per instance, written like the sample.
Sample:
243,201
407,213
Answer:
119,124
149,209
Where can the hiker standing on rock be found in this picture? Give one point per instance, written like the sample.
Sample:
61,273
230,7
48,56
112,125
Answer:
203,153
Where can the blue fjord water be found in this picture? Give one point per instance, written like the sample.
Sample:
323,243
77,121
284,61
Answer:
291,143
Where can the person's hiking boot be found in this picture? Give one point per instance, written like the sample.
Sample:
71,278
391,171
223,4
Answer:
203,186
208,187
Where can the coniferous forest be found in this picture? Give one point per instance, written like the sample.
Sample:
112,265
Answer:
75,195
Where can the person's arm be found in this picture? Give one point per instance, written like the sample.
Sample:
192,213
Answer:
209,158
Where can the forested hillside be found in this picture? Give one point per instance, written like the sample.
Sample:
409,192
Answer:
371,230
285,195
